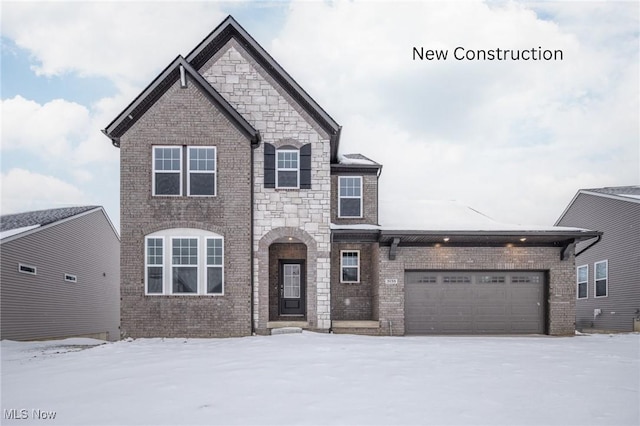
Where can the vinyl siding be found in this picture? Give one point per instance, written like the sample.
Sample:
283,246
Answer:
46,306
620,223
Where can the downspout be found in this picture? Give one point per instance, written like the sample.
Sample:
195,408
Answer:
255,143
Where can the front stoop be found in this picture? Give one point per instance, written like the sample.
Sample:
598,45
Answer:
286,330
369,328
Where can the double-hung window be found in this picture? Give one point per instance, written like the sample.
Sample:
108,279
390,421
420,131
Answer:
155,265
349,266
202,171
214,266
601,277
287,168
582,276
184,262
350,196
167,170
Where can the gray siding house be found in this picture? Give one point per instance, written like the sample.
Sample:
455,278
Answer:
607,274
60,275
239,215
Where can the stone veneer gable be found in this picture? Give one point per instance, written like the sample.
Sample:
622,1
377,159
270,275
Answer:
281,121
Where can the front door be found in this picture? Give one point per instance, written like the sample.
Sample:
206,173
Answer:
292,287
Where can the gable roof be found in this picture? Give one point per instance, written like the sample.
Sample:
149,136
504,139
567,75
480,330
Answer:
159,86
230,28
630,194
16,225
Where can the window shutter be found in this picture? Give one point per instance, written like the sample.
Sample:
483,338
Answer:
305,166
269,166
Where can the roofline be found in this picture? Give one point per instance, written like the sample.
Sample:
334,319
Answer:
230,112
597,194
275,70
58,222
578,234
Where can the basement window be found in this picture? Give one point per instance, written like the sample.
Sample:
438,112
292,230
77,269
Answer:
27,269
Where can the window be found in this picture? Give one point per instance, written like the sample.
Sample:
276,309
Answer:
287,168
184,263
582,277
194,261
71,278
350,196
456,279
350,266
491,279
602,275
214,265
27,269
202,171
167,170
155,265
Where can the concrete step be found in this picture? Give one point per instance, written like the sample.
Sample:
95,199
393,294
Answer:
286,330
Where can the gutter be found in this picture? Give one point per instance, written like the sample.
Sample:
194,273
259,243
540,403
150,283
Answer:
115,141
589,246
255,143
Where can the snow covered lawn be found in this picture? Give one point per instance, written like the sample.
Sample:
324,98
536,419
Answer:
326,379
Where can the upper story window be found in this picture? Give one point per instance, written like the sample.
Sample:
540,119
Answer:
169,169
202,171
582,279
184,262
350,196
602,278
287,168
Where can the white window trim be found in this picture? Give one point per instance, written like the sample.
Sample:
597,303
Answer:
340,197
146,264
595,279
578,282
153,171
297,169
215,170
342,266
21,265
71,278
167,236
206,266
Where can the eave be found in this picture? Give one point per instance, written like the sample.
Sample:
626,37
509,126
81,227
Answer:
230,28
169,76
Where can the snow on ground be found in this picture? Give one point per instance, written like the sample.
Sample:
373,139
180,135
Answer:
318,379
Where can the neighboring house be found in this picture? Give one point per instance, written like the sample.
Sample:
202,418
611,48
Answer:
239,215
607,274
60,275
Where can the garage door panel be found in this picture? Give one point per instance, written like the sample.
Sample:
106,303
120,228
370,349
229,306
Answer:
462,302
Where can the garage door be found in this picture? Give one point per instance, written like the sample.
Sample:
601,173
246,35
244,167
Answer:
450,302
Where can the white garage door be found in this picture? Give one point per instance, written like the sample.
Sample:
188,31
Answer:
461,302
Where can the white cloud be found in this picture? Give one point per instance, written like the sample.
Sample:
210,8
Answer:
122,41
514,139
23,190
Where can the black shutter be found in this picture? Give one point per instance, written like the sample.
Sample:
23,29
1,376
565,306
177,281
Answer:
269,166
305,166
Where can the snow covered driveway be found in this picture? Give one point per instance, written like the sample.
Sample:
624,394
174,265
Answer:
326,379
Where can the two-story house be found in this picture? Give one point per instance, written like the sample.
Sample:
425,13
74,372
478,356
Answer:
239,216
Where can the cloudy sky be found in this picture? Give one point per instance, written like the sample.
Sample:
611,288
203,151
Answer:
513,139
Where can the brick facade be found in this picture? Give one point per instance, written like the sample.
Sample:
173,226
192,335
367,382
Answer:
184,116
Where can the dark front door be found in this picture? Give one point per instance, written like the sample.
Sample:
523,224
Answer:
292,287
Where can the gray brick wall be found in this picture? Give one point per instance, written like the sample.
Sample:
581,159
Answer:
369,201
354,301
561,285
186,117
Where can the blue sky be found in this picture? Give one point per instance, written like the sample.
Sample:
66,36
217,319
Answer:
514,140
